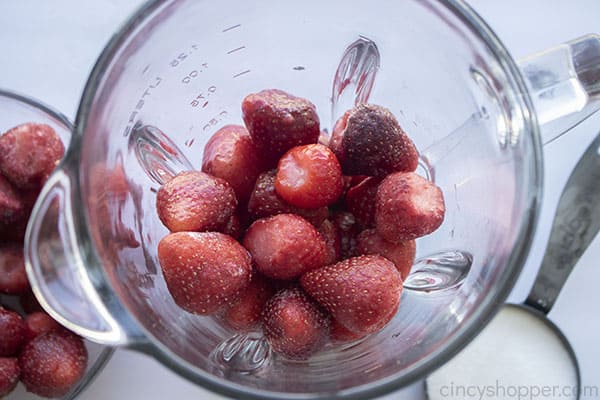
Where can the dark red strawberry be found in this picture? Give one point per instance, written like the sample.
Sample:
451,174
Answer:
408,206
331,235
195,201
361,293
231,154
373,143
11,205
13,277
244,313
278,121
204,270
309,177
360,201
348,230
12,330
340,334
265,202
39,323
295,326
285,246
402,254
53,363
29,153
9,375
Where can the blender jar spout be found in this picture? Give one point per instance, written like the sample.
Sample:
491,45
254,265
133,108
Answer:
56,266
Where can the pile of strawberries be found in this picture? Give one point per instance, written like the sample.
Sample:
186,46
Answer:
34,348
307,238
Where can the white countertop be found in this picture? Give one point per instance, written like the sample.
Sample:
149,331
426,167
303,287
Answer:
47,49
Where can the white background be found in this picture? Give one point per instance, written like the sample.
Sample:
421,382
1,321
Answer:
47,49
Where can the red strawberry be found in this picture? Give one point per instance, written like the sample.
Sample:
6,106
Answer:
285,246
360,201
11,205
265,202
195,201
9,375
39,323
309,176
13,277
12,330
340,334
203,270
402,254
278,121
294,324
373,143
29,153
331,235
348,230
244,313
361,293
231,154
53,363
408,206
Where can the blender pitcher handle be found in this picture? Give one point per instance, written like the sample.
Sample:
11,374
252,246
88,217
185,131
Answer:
564,84
56,269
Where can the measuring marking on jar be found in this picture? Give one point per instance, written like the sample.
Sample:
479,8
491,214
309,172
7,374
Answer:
231,28
242,73
140,105
236,49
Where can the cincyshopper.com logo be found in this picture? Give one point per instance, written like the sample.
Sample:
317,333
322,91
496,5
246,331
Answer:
517,392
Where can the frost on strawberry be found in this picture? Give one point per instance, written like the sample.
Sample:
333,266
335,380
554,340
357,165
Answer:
408,206
361,293
295,326
278,121
204,270
285,246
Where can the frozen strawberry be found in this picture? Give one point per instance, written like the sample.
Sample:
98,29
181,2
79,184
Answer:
331,235
9,375
13,277
265,202
340,334
309,177
285,246
53,363
244,312
195,201
29,153
12,330
348,230
402,254
373,143
408,206
231,154
278,121
361,293
29,303
39,323
360,201
295,326
203,270
11,205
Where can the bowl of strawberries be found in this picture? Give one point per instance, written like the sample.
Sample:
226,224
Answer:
39,357
328,203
